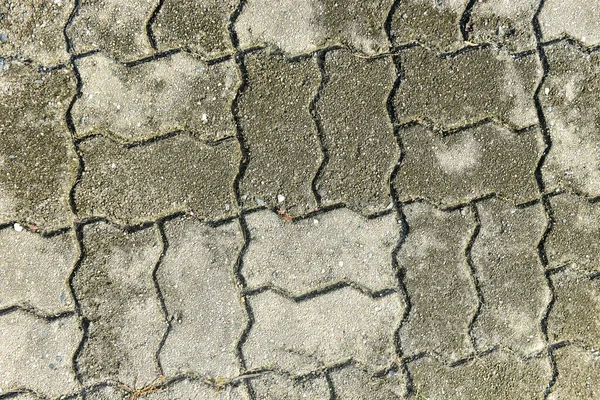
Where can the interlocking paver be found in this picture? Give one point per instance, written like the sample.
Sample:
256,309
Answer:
355,383
116,293
578,374
470,86
313,253
303,336
357,133
281,387
37,158
193,390
196,281
438,281
463,166
36,354
299,27
574,18
512,281
144,182
34,270
279,131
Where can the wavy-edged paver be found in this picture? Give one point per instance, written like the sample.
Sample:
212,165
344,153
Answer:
353,382
578,374
175,93
313,253
357,133
273,386
196,278
468,87
279,131
462,166
577,19
438,281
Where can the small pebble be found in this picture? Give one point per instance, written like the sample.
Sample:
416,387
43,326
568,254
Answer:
18,227
280,198
259,201
547,90
205,118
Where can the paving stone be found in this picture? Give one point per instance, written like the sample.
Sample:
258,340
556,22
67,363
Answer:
570,91
494,376
438,281
145,182
200,27
195,390
578,374
355,383
357,132
313,253
473,85
34,270
196,277
106,393
281,136
299,27
36,354
463,166
155,98
577,19
281,387
34,30
511,278
116,293
300,337
115,27
37,158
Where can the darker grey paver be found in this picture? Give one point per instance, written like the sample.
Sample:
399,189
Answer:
577,19
578,374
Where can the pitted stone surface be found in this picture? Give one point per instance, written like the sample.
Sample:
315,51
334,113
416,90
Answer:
150,99
116,294
468,87
463,166
37,158
353,382
36,354
328,329
313,253
357,133
577,19
299,27
512,281
196,390
438,281
142,183
196,278
578,374
281,387
34,270
279,132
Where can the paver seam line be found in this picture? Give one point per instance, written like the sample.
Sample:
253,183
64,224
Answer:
151,139
465,18
159,295
25,307
320,57
150,22
473,270
321,291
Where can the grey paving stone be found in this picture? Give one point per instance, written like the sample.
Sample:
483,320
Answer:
577,19
196,390
357,132
142,183
355,383
299,337
511,277
438,281
36,354
313,253
279,131
463,166
34,270
578,374
116,294
37,158
173,93
196,277
473,85
274,386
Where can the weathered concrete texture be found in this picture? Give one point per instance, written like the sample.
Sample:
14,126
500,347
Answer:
36,354
299,27
145,182
197,390
570,91
116,293
274,386
33,30
438,281
115,27
578,374
150,99
511,277
313,253
345,324
463,166
473,85
37,158
196,277
357,132
106,393
353,382
34,270
279,131
498,375
574,239
577,19
199,27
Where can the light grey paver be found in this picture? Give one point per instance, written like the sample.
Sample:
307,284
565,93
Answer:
578,374
574,18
